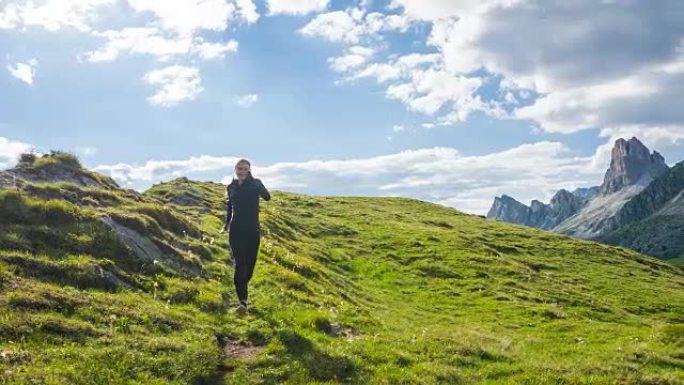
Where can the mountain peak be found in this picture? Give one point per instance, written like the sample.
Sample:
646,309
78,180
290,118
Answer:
631,163
508,209
508,198
561,193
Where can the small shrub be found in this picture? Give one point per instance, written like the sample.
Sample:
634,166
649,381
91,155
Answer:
64,159
27,159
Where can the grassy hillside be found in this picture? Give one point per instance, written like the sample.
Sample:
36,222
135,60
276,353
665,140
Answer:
100,285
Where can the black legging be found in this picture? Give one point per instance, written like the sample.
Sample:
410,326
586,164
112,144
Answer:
244,245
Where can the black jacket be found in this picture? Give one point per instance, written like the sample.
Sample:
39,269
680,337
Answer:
242,211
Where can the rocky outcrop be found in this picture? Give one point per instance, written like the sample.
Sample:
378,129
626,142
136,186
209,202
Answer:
507,209
147,251
563,205
664,192
631,163
592,219
586,192
632,168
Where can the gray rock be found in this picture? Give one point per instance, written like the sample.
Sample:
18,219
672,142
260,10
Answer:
632,168
507,209
586,192
631,163
653,221
147,250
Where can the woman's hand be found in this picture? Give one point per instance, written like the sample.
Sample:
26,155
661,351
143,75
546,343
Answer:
262,189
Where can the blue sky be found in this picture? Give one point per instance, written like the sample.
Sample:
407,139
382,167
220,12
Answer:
449,101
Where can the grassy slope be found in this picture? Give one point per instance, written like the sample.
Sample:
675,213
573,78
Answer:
423,294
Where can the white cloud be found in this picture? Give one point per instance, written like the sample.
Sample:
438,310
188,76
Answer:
154,170
186,17
209,51
149,41
181,17
402,67
24,71
619,69
177,84
632,100
142,40
442,9
247,10
52,15
166,30
335,26
353,25
297,7
437,174
246,101
353,58
398,128
10,151
429,90
622,71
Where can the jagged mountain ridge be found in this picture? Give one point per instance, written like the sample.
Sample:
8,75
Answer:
539,215
632,169
346,290
586,192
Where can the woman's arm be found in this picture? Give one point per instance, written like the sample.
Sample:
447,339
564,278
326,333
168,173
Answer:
262,190
229,208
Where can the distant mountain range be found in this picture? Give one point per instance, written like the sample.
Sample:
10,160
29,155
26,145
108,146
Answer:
640,205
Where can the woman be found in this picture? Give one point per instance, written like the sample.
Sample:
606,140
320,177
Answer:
242,223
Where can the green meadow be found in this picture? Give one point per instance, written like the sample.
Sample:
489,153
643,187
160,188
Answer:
347,290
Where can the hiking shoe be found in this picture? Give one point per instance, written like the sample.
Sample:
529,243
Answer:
242,307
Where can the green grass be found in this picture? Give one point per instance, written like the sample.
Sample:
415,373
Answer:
346,290
679,261
61,158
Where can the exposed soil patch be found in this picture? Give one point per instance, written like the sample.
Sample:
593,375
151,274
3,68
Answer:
231,349
236,349
241,351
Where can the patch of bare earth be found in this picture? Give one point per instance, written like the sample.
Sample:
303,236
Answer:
241,350
234,349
